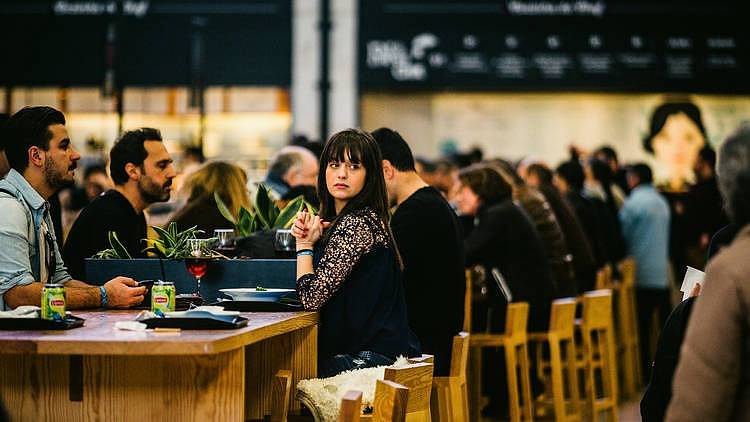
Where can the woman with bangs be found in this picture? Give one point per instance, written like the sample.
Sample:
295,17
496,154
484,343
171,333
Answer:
348,266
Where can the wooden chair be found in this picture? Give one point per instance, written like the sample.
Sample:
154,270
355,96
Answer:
389,405
599,354
282,387
351,406
450,400
604,277
514,340
417,377
627,330
468,297
560,338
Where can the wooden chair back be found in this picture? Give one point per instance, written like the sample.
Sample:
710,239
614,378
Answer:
562,318
599,353
417,377
597,309
460,355
604,277
423,359
391,402
627,330
469,276
351,406
516,320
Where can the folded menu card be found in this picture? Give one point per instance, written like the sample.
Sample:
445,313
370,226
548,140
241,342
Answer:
692,276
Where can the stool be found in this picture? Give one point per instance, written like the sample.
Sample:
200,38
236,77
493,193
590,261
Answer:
417,377
627,329
560,338
450,401
514,340
599,353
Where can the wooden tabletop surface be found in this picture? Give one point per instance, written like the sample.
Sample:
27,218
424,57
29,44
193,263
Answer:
99,337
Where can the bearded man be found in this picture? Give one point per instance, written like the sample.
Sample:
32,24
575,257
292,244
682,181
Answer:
43,160
142,172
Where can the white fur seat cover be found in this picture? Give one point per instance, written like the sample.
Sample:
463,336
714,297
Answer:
323,395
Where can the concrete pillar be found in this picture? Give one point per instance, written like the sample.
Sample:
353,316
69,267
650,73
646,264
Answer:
305,68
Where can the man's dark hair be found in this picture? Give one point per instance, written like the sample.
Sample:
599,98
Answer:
445,165
394,149
708,155
427,165
608,152
572,173
129,149
93,169
26,128
486,183
542,173
642,172
195,152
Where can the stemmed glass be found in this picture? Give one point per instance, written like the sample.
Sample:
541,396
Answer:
225,241
197,261
283,241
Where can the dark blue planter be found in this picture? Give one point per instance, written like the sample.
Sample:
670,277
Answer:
222,274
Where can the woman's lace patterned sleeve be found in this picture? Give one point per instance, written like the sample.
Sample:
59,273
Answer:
351,239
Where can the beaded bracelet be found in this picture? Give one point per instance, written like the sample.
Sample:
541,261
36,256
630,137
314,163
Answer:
303,252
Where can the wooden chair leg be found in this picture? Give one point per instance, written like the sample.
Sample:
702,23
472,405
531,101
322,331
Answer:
558,390
572,372
475,382
525,369
282,387
514,399
351,407
390,402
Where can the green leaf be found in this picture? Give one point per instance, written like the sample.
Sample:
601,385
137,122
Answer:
289,213
254,225
224,210
172,228
165,235
273,214
117,246
243,225
262,205
310,207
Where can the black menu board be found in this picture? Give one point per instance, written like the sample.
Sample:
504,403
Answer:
146,42
600,45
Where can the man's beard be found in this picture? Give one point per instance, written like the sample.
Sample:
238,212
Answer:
56,179
152,192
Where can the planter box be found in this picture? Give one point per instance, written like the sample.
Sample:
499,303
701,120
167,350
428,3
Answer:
222,274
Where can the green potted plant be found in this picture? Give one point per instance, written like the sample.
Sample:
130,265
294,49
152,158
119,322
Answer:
256,228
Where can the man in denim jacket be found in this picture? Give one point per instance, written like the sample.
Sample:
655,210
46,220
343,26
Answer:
42,160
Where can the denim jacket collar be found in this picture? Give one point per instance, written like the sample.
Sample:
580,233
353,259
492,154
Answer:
23,190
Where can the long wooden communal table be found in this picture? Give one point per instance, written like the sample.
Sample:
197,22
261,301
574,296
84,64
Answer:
97,373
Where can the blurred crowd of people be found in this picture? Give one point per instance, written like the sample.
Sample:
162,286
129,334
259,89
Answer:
538,231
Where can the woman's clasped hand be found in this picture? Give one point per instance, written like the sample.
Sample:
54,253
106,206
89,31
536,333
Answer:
308,228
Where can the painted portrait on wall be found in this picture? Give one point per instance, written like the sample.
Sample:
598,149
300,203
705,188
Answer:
675,137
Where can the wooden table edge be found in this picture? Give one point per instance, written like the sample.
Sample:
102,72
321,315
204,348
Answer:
188,347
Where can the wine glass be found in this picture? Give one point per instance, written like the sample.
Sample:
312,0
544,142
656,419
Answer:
283,241
225,242
197,261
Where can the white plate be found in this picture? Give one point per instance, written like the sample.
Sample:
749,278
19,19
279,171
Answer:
252,295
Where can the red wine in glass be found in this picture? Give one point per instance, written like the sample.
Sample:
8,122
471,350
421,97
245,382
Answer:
197,266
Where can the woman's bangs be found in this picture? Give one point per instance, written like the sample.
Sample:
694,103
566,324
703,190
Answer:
345,149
